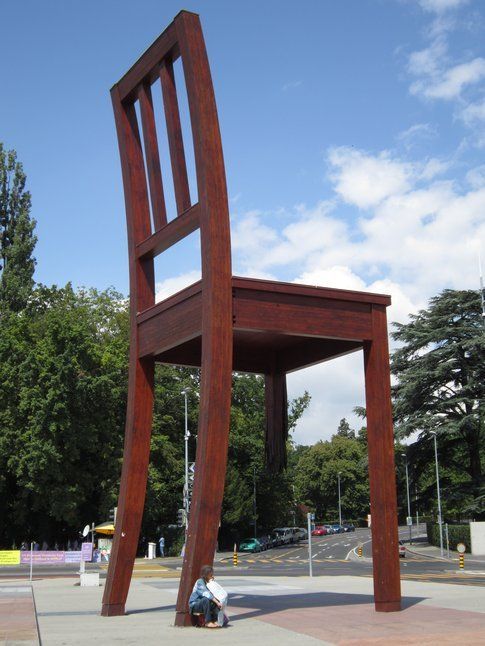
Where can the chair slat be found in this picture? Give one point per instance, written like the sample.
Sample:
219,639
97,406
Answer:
175,139
152,156
169,234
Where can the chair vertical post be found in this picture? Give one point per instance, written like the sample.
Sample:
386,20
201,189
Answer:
382,476
216,369
141,371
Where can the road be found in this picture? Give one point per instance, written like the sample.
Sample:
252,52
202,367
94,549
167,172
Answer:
331,555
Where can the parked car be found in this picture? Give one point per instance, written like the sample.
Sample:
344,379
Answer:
250,545
337,529
320,530
348,527
285,534
275,539
298,534
329,529
265,543
402,550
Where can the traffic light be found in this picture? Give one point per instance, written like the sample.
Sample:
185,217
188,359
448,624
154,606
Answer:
112,515
181,517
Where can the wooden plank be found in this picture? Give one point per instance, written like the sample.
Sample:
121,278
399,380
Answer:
276,431
310,352
171,301
175,138
152,156
170,234
170,328
262,285
147,66
139,411
382,474
216,372
304,321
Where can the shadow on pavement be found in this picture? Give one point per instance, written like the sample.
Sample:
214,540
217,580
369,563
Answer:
262,605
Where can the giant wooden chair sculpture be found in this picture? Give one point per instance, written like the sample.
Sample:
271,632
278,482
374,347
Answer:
224,323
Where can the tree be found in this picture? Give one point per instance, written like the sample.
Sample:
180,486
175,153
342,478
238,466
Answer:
317,482
440,369
63,369
17,239
344,429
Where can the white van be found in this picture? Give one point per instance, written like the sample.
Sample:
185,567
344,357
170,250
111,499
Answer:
285,534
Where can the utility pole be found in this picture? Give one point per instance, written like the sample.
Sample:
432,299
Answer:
409,519
482,290
254,503
339,501
185,392
440,520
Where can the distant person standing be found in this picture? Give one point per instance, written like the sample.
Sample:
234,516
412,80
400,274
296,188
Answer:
161,544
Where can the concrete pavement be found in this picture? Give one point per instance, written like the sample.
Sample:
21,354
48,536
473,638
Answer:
263,610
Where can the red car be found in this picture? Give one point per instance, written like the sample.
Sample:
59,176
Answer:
319,531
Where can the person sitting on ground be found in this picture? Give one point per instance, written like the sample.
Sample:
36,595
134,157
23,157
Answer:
202,600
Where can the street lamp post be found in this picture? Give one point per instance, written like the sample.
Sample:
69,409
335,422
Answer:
339,500
255,511
440,520
409,499
185,392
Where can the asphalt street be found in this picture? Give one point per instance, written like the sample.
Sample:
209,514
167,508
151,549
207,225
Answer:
331,555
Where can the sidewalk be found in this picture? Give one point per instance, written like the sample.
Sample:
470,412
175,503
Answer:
423,548
269,611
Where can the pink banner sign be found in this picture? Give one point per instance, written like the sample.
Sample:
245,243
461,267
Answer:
87,551
42,557
72,557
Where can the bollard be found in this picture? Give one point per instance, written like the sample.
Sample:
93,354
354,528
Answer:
234,556
461,548
359,551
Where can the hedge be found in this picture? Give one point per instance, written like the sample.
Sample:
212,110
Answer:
456,533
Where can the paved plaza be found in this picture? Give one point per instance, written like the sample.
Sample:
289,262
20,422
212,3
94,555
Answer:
263,610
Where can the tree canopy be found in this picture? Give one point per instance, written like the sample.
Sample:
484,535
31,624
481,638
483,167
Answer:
440,370
17,238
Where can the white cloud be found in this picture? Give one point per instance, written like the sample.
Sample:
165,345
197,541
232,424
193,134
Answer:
365,180
428,61
417,232
450,83
292,85
415,133
476,176
473,113
439,6
172,285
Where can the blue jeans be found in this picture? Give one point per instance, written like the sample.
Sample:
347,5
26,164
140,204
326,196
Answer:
207,607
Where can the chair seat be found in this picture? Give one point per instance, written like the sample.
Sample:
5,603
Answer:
284,324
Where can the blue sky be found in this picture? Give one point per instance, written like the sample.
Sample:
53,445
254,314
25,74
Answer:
353,134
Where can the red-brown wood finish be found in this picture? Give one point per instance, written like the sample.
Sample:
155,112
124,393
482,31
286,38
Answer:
140,383
223,323
152,156
175,139
215,398
382,476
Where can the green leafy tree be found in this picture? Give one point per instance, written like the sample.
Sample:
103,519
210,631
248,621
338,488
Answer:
316,478
440,368
17,239
344,429
63,365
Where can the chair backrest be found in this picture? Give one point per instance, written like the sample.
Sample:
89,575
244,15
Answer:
142,173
